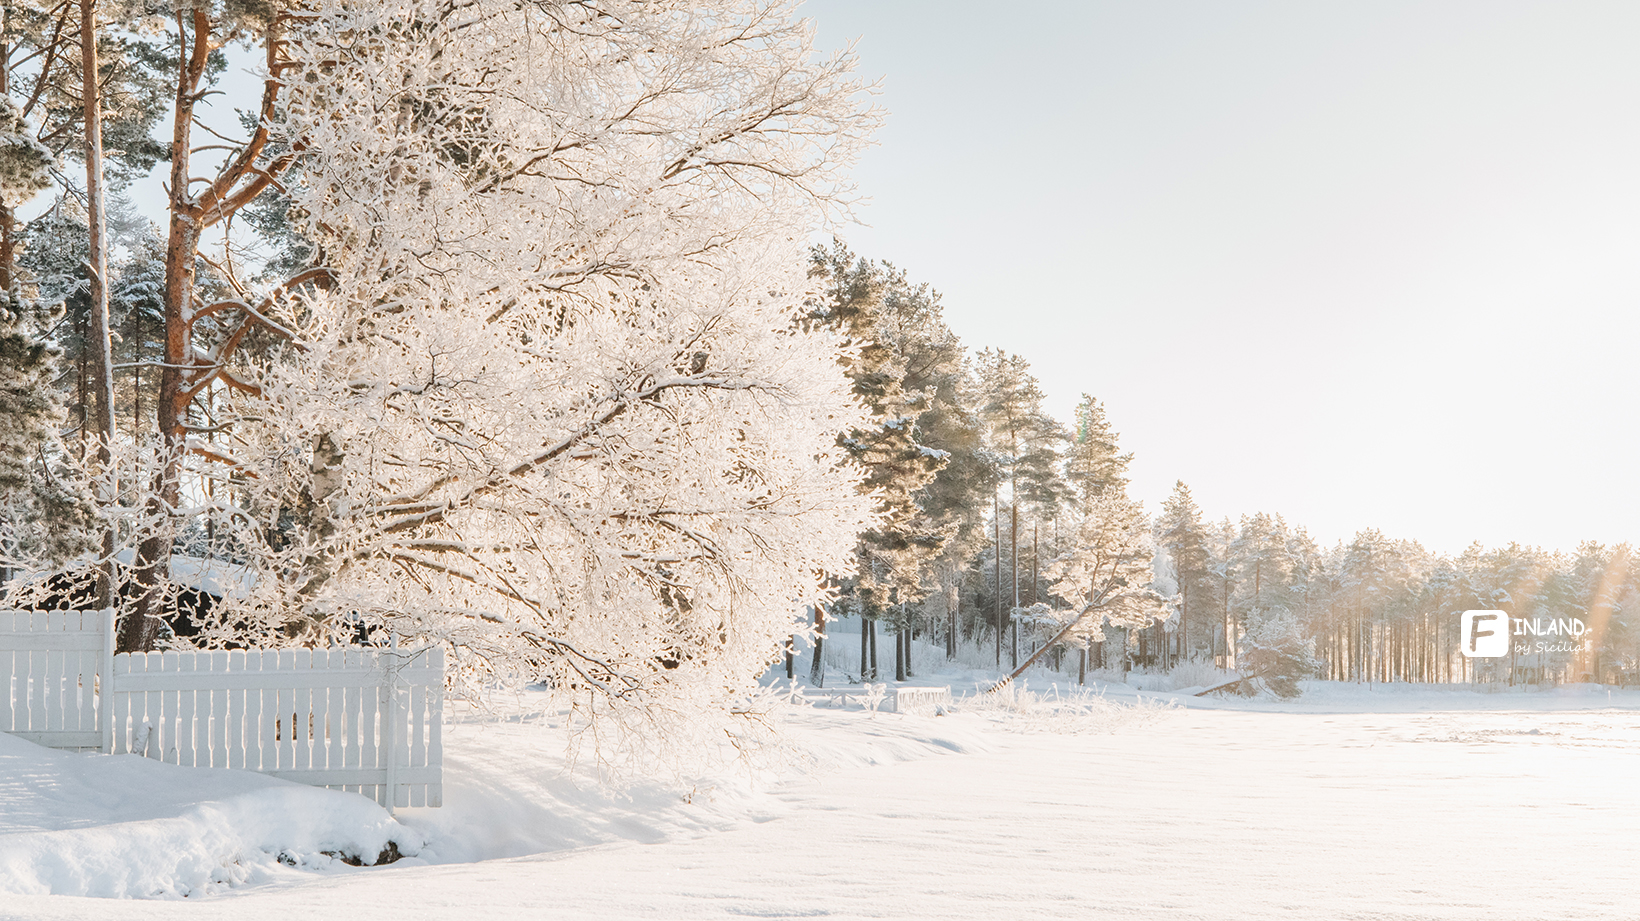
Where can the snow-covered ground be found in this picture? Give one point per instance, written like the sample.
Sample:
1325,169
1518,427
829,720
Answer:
1353,802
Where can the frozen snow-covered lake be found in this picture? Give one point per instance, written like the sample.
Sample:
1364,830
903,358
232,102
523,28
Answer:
1352,804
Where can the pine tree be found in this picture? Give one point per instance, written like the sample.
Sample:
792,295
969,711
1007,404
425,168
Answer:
1093,463
42,103
933,359
1024,442
1179,529
204,334
1261,570
896,556
48,516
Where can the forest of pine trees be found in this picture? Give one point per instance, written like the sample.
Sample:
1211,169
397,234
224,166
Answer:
1013,485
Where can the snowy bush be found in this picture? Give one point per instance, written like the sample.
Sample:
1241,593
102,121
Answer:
1197,673
1278,654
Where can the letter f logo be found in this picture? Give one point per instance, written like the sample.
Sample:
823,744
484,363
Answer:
1485,634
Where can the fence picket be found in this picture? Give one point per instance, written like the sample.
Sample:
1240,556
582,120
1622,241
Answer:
435,725
185,735
170,705
36,674
350,758
225,711
336,713
77,680
8,684
270,717
255,718
119,707
51,686
369,726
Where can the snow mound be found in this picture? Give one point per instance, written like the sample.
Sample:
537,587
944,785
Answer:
123,826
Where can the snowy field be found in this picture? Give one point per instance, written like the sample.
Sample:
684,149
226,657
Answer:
1353,802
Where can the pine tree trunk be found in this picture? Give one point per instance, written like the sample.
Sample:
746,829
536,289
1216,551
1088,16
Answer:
817,669
153,562
996,539
1082,666
865,650
874,649
8,215
1013,566
98,343
910,636
8,246
900,636
1184,622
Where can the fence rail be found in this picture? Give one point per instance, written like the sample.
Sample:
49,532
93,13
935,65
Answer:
367,720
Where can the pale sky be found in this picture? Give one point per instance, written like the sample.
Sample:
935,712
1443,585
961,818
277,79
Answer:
1364,265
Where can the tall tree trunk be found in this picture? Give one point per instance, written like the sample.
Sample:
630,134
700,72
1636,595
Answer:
1228,661
153,561
953,602
865,650
900,635
1184,623
910,636
817,669
8,215
996,539
873,649
1013,566
98,344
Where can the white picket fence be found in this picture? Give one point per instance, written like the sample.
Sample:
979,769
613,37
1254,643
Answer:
49,664
367,720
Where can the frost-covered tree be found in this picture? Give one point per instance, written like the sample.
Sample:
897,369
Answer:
555,408
1105,573
1277,653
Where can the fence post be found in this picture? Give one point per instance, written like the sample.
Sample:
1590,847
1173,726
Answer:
390,731
105,683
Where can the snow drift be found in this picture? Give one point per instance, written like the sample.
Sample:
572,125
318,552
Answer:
123,826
